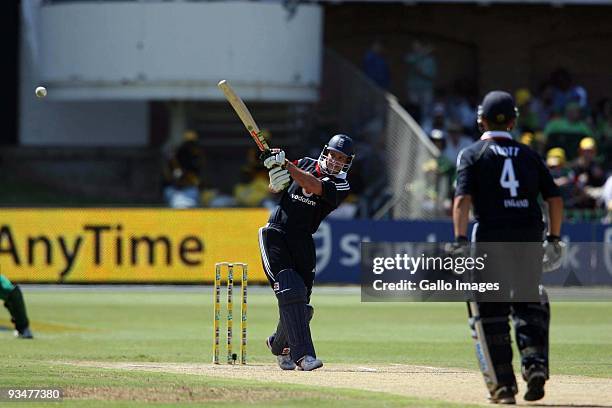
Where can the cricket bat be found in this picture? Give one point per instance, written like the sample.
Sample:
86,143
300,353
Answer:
244,114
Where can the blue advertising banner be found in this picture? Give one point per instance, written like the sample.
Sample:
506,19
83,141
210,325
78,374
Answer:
338,244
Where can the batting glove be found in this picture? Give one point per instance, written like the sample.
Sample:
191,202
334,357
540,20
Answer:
459,248
554,252
279,179
275,158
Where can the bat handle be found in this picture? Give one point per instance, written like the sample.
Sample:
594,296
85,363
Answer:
268,153
265,153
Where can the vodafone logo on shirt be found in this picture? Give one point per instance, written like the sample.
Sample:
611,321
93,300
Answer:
303,199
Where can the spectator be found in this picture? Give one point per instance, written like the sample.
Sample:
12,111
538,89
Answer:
566,92
562,174
444,166
254,191
436,121
438,139
421,75
189,154
459,109
604,120
589,174
528,120
182,174
543,104
566,132
527,138
375,65
455,141
604,128
605,199
533,140
586,167
539,142
444,169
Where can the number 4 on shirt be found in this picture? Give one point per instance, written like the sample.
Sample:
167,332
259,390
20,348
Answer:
508,179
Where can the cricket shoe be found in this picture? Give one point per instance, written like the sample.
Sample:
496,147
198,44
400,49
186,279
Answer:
284,359
24,334
536,378
285,362
309,363
503,395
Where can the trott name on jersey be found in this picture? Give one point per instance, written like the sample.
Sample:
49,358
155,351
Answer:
505,151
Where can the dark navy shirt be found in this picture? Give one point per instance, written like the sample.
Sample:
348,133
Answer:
505,179
298,210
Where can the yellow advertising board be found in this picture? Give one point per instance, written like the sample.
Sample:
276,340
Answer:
127,245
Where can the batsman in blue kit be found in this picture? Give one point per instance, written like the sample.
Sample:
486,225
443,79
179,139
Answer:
311,189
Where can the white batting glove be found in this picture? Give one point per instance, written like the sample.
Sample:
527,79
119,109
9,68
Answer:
277,159
554,254
279,179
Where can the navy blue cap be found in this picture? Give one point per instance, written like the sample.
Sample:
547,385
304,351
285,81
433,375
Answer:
498,107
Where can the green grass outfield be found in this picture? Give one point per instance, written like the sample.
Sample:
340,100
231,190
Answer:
171,324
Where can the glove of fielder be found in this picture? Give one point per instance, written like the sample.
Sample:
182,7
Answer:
273,158
279,179
554,252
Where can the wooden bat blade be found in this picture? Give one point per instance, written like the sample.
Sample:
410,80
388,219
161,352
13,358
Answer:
243,113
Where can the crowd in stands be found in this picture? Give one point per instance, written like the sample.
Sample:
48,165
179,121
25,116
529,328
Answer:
184,187
573,136
558,120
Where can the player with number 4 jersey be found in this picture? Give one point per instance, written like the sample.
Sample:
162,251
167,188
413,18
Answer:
502,180
505,179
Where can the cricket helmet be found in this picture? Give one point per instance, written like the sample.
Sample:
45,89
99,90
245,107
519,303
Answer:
342,144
